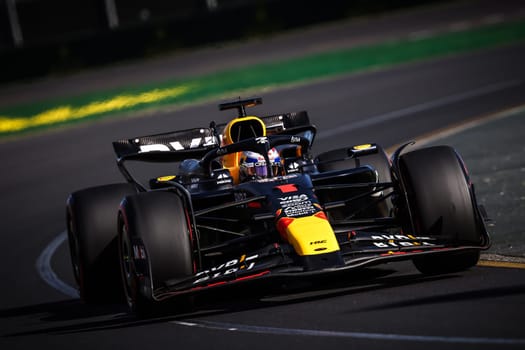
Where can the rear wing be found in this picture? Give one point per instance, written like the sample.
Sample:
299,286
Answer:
171,146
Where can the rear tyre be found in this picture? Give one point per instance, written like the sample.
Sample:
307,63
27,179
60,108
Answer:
91,216
337,159
155,245
442,204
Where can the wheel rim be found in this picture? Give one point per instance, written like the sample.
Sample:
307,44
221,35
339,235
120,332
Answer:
127,265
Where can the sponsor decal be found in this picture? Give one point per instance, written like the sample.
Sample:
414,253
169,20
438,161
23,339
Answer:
154,148
297,205
293,167
194,183
295,139
223,178
222,182
397,241
177,146
293,199
278,178
262,139
244,263
323,241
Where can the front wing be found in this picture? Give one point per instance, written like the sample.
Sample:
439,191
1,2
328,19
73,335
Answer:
279,261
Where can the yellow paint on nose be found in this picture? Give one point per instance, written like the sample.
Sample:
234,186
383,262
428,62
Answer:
311,235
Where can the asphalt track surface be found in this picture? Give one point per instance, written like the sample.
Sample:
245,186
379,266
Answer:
391,306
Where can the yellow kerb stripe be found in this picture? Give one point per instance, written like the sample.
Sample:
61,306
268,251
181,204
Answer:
507,264
67,113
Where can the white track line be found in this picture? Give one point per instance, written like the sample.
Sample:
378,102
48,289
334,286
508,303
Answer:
404,112
454,129
223,326
43,266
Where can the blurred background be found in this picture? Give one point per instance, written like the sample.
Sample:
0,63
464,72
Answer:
53,37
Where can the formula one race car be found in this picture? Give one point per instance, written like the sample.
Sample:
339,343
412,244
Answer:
250,202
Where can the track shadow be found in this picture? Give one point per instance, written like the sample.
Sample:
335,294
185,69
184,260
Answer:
66,310
73,316
452,297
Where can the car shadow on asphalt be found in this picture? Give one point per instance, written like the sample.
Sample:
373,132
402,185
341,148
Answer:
73,316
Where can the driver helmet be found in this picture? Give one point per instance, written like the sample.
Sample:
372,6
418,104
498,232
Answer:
253,165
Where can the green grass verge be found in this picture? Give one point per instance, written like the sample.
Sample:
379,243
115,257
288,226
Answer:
36,116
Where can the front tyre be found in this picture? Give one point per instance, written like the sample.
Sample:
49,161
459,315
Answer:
441,201
155,245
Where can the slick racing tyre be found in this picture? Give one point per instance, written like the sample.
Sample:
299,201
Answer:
91,216
155,245
338,159
442,204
